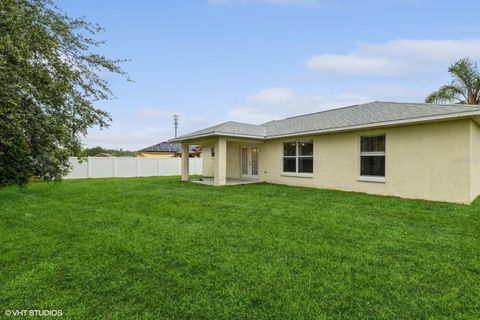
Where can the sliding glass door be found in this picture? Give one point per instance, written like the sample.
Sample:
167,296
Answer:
249,162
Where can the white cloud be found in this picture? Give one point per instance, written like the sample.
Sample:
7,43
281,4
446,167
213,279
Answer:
273,95
398,59
425,50
254,115
150,125
276,103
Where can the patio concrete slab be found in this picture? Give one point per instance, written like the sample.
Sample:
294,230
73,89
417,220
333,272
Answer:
230,181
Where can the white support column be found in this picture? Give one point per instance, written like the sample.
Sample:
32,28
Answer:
185,161
220,165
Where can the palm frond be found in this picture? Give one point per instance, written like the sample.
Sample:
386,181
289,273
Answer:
447,93
465,72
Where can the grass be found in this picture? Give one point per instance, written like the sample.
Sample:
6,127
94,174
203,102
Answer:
156,248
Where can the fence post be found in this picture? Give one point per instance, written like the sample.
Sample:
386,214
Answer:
89,167
136,166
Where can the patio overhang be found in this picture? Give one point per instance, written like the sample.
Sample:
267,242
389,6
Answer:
219,143
213,136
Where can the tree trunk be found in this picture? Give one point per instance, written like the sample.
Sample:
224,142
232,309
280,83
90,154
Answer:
472,99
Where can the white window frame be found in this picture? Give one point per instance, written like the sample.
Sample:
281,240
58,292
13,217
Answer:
297,156
369,178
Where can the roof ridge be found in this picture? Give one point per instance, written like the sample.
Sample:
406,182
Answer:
433,104
222,125
245,123
323,111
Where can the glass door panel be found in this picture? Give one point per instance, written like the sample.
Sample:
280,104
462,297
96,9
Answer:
244,161
254,161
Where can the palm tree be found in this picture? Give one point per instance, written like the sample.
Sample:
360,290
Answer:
465,87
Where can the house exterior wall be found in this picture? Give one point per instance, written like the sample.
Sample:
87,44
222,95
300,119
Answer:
208,161
474,160
233,159
425,161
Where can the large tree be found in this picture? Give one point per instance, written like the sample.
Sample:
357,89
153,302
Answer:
50,79
465,87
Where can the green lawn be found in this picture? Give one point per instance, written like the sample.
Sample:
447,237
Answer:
155,248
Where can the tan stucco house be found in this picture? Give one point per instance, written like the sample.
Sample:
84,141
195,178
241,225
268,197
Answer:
411,150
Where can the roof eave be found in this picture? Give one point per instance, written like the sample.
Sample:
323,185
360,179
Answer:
215,134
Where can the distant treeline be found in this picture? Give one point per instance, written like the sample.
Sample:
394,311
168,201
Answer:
91,152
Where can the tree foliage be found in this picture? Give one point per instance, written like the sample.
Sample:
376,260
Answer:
49,82
465,87
91,152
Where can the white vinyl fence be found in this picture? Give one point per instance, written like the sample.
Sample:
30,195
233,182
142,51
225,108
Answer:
109,167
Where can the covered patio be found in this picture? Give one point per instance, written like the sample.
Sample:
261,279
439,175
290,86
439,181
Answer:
226,160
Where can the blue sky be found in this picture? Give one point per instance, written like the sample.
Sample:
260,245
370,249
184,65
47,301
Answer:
255,60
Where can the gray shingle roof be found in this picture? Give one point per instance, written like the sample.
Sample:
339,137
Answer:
373,113
231,127
167,147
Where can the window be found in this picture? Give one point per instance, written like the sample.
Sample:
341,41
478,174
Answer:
212,152
298,157
372,156
290,157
